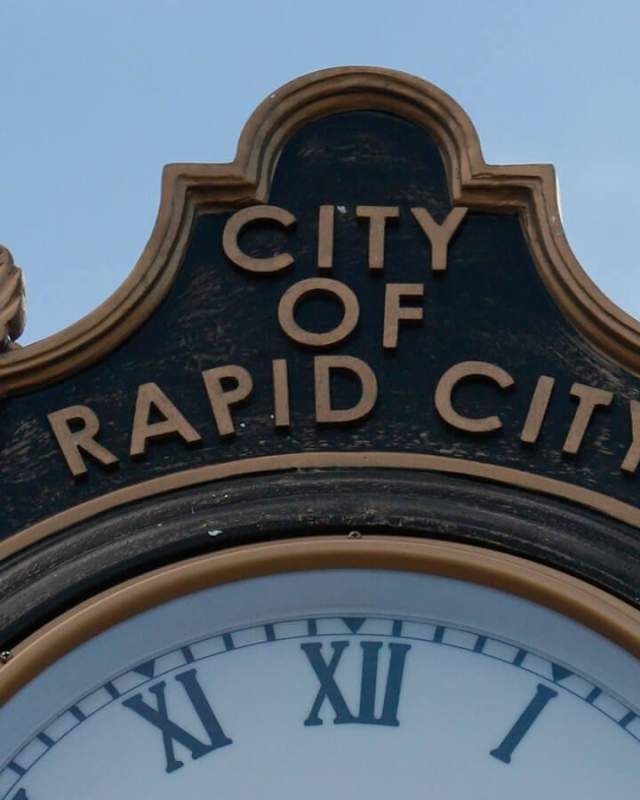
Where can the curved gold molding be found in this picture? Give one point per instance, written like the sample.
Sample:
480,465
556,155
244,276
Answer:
616,509
12,300
570,596
187,188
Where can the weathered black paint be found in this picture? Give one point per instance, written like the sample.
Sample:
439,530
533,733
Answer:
490,305
48,579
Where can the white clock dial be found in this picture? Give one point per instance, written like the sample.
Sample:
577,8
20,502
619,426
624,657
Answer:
347,683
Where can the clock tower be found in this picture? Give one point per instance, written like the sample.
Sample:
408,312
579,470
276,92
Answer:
338,488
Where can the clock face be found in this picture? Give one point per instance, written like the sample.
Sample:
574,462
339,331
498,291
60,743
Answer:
333,682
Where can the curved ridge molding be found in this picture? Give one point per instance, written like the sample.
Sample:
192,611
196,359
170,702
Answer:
529,190
212,473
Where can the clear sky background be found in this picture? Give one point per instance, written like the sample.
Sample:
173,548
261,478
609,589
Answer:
97,95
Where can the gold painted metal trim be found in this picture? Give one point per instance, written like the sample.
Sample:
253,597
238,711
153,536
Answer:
529,190
567,595
609,506
12,300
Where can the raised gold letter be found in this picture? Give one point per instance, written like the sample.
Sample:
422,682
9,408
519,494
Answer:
221,399
439,235
447,384
72,442
150,394
369,388
232,231
325,237
588,400
394,312
289,300
282,417
537,410
377,216
630,463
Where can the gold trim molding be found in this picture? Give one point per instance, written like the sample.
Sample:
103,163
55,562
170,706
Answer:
529,190
616,509
547,587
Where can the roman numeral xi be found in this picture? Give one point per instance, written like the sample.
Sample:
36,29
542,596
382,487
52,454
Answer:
171,731
329,690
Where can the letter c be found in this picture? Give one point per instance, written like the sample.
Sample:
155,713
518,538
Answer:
447,384
237,222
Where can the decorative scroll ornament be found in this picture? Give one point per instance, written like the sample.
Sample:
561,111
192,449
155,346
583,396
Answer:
12,300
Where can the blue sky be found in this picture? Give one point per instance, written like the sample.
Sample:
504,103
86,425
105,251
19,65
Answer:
97,96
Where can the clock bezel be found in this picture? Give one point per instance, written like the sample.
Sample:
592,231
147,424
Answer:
570,596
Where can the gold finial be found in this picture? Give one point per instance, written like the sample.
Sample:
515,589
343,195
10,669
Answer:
12,300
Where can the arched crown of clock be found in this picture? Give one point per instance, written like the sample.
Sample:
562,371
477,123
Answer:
528,190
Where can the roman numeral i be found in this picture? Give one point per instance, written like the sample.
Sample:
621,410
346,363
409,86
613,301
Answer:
329,690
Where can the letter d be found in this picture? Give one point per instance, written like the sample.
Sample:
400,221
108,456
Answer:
322,366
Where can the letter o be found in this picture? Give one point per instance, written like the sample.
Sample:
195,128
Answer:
290,299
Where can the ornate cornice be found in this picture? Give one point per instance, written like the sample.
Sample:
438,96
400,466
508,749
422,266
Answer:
12,300
528,190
